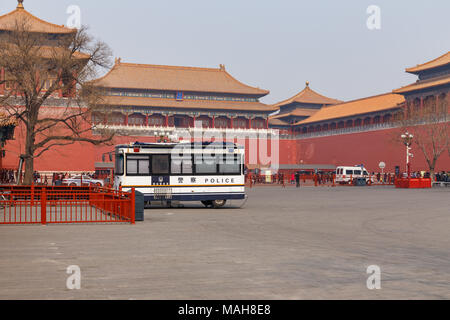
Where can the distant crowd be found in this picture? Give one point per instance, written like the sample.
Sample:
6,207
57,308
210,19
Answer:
443,176
8,176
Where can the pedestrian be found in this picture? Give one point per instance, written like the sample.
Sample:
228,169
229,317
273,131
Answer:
297,179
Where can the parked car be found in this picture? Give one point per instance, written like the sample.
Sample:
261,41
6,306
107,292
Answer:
78,181
345,174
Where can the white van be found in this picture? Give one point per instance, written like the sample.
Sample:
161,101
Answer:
345,174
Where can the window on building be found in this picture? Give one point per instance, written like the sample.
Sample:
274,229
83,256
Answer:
156,121
240,123
136,119
221,123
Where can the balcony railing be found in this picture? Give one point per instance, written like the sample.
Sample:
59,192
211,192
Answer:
335,132
142,130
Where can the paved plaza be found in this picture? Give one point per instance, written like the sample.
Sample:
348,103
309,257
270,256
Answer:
307,243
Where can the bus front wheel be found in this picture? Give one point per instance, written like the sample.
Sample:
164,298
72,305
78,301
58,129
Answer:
219,203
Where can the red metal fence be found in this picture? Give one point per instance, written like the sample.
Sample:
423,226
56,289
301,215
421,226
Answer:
53,205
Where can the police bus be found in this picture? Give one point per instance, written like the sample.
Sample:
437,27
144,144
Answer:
211,173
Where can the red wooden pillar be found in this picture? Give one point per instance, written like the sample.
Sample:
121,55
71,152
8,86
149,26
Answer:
249,123
146,119
194,118
231,123
60,94
166,122
267,123
2,77
126,119
213,121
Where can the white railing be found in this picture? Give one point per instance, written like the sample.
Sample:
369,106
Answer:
335,132
143,130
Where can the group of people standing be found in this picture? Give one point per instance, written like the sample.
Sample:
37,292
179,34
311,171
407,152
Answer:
7,176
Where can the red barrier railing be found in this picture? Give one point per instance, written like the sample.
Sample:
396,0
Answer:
53,205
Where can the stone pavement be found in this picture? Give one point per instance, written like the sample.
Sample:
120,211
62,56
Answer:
307,243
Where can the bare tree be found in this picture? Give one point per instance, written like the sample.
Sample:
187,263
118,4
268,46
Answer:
430,126
48,88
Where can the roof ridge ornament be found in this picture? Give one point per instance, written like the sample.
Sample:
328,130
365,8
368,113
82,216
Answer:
20,4
307,84
222,67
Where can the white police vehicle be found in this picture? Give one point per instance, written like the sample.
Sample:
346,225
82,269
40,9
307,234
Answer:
208,172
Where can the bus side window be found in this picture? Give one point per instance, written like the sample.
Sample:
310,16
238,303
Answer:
181,164
119,165
230,165
205,164
349,172
160,164
138,165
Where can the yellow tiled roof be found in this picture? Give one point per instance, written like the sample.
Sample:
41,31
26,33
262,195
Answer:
8,22
6,121
186,104
173,78
438,62
424,85
278,122
361,106
300,112
308,96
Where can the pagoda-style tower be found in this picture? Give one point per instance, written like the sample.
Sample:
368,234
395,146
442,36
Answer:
301,106
432,87
51,40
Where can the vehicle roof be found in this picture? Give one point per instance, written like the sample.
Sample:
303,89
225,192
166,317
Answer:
179,144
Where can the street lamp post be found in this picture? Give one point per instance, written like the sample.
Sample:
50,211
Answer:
407,140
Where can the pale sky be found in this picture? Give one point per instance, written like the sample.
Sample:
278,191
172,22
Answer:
275,45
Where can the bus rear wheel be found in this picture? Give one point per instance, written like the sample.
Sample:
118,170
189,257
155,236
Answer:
214,204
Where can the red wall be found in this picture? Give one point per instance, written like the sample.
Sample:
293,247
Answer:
367,148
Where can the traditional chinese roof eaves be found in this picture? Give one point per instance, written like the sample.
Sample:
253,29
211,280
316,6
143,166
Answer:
308,96
420,85
173,78
7,121
186,104
49,52
301,112
8,23
438,62
278,122
357,107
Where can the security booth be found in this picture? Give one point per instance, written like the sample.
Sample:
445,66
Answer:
105,171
